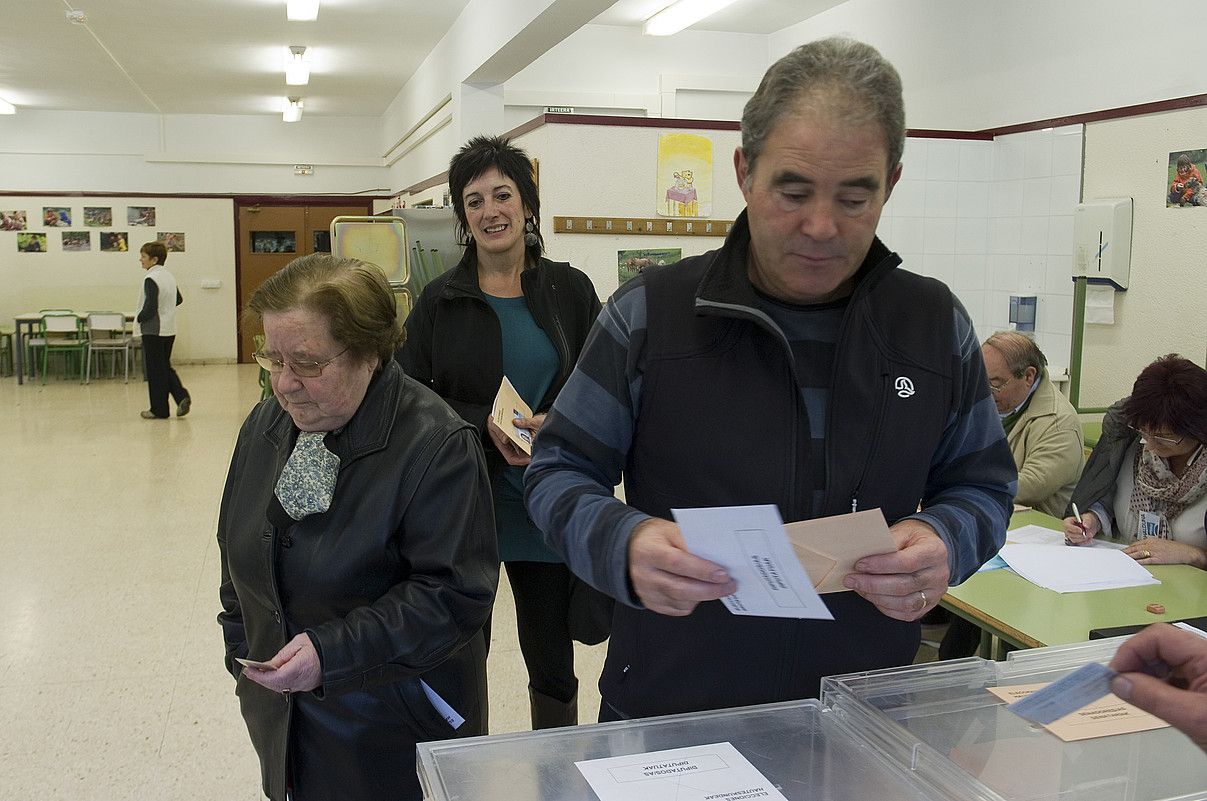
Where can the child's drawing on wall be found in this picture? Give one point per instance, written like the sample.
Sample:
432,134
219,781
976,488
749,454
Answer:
684,186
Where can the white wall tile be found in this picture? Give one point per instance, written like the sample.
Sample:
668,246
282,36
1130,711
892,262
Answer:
976,161
1060,276
1055,315
942,199
1060,235
1034,237
909,198
1057,348
1005,234
996,312
1066,150
972,235
913,159
974,304
1032,275
1037,154
1008,158
942,160
1037,197
914,262
1003,273
972,198
1066,193
907,235
972,273
942,267
939,235
1006,199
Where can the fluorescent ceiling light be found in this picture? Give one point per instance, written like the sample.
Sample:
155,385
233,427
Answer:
297,66
293,109
302,10
7,107
680,15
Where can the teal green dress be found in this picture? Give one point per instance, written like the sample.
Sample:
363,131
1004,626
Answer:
530,362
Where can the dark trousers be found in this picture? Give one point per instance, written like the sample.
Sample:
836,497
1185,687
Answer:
542,598
161,378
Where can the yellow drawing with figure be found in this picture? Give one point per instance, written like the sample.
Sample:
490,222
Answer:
684,175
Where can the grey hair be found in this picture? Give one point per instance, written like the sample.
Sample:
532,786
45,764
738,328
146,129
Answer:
1019,352
847,77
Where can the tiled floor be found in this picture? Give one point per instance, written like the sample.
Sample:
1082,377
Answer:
111,677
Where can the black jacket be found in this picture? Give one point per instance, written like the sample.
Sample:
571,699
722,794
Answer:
393,583
454,343
1101,474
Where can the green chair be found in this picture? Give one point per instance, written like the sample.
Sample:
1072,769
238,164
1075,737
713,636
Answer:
63,333
6,352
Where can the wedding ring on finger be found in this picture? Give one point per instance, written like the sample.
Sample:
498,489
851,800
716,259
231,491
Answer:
922,595
1148,555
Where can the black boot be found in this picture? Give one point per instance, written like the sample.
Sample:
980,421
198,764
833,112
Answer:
550,713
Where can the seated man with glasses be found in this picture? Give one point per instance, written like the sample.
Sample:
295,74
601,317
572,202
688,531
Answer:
1146,480
1042,427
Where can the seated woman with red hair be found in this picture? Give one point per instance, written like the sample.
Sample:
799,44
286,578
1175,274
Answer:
1146,480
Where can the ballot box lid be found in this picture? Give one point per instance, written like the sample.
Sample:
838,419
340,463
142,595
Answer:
940,716
805,750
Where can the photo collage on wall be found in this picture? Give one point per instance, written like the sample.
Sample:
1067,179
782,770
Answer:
34,241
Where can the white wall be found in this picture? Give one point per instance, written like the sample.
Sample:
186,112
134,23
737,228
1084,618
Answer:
53,151
98,281
1164,309
976,64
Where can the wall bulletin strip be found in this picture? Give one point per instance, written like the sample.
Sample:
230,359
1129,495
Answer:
640,225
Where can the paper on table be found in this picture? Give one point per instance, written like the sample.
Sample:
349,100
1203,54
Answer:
685,774
509,406
1191,629
1068,569
829,547
1107,716
750,543
1038,535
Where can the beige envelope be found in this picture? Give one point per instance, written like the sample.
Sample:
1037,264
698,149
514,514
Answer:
507,406
829,547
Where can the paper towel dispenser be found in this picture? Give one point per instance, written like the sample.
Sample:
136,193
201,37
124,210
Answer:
1102,235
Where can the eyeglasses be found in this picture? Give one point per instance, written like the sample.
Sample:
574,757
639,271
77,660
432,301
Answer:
998,389
1167,441
300,369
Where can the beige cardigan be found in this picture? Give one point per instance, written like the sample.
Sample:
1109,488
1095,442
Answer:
1047,445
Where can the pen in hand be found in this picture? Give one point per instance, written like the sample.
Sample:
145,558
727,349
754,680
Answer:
1080,525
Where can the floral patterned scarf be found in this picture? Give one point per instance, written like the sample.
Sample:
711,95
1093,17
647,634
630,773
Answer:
1158,490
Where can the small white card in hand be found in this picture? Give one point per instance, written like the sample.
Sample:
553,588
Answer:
508,407
1065,695
696,773
750,543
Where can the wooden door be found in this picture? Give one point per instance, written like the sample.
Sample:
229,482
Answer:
271,236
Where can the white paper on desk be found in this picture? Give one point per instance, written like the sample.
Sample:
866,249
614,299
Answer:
1065,569
1191,629
685,774
1038,535
749,542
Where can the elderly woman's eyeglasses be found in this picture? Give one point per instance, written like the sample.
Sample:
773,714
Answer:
1149,437
300,369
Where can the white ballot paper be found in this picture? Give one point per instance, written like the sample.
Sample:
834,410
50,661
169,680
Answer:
749,542
700,772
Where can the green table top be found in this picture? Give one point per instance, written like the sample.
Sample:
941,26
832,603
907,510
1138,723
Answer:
1029,616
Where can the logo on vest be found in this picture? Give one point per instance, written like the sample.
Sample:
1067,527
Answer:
904,387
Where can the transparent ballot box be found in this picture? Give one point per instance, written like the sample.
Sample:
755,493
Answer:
806,751
939,721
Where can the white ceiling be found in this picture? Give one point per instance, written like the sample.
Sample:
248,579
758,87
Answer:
226,56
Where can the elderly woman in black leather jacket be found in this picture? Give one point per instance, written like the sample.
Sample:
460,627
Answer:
357,548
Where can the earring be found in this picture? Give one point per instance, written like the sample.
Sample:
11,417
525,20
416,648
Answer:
530,236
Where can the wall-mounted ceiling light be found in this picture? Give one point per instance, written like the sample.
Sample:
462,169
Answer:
293,109
302,10
297,66
680,15
7,107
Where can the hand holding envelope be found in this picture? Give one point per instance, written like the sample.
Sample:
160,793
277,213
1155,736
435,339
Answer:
829,547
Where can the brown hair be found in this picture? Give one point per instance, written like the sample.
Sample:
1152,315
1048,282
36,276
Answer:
156,250
353,296
1019,352
1170,394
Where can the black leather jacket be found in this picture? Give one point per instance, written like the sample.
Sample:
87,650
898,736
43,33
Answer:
393,583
